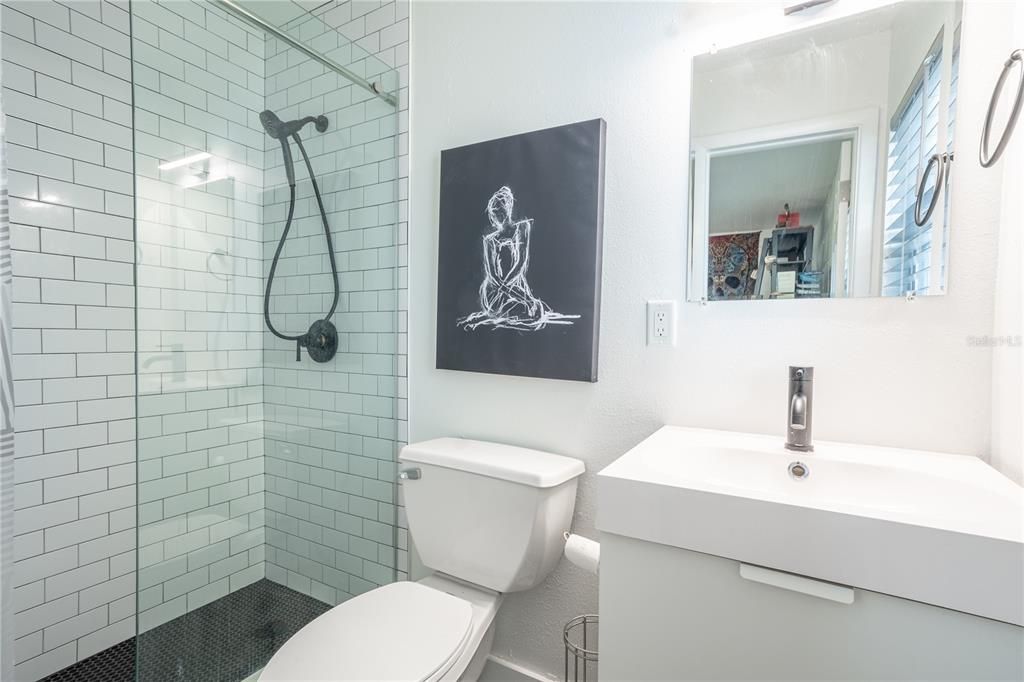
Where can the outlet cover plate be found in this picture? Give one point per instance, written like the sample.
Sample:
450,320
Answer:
661,323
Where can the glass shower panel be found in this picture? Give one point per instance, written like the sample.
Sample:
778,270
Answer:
330,428
197,86
265,485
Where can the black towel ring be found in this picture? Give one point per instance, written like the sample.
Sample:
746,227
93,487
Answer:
984,157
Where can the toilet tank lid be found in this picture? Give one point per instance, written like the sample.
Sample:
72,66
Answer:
506,462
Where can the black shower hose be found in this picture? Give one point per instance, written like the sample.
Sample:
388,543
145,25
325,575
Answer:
301,339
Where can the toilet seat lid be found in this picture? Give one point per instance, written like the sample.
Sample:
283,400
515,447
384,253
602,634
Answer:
401,631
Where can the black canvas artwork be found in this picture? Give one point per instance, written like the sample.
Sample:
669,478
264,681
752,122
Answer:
519,254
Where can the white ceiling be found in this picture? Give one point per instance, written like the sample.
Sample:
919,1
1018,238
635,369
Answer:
749,189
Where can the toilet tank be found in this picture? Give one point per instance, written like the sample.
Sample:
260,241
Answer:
490,514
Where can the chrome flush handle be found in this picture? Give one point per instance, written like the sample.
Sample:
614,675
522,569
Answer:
413,474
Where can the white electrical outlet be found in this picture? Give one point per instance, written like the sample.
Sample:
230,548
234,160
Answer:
661,323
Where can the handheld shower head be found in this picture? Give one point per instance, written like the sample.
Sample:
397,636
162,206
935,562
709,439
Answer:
322,338
279,130
271,123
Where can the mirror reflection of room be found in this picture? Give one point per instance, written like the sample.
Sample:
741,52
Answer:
803,187
821,159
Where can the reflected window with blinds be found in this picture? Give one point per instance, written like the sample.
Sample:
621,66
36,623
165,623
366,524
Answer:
913,256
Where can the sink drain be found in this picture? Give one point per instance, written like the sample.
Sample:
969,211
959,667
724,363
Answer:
799,471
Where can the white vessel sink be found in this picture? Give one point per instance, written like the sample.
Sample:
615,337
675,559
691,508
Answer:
942,529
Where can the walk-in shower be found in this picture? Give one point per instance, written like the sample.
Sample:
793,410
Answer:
322,338
188,495
265,486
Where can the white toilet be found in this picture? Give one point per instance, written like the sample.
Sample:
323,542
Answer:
488,519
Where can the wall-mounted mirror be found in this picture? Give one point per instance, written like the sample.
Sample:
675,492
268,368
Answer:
821,159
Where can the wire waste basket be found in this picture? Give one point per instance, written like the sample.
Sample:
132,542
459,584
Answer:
580,637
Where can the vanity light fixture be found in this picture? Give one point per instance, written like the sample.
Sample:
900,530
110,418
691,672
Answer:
185,161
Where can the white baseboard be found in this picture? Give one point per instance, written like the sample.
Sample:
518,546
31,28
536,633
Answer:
501,670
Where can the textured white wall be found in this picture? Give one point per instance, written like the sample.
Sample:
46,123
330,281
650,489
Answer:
1008,353
889,371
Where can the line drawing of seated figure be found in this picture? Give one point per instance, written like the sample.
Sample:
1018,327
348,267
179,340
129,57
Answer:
506,301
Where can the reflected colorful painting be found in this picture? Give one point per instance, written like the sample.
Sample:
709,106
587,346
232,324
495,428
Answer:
519,254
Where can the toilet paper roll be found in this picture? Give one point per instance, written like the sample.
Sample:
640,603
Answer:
583,552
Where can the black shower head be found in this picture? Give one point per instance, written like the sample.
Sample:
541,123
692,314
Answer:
280,130
271,123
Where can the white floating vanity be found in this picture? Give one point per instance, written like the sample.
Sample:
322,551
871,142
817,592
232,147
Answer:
721,560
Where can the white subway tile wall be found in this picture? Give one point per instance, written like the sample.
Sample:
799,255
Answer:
67,96
206,366
332,430
198,77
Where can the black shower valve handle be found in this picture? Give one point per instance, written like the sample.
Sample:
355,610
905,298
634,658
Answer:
302,341
321,341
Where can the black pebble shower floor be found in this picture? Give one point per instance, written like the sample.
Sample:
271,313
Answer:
224,641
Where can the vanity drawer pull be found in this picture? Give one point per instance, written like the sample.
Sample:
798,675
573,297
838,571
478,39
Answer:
797,583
